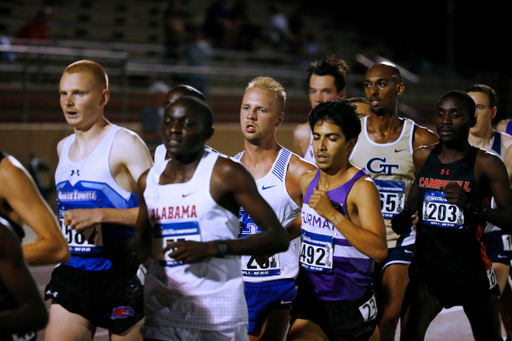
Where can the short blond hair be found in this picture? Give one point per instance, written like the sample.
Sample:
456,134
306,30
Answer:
270,84
95,69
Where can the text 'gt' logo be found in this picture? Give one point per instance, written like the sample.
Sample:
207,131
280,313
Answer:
378,165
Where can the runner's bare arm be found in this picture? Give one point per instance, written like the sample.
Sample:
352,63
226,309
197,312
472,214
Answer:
495,173
232,186
20,192
30,314
141,243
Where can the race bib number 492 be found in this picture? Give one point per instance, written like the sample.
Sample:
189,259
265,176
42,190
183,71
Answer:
316,252
438,212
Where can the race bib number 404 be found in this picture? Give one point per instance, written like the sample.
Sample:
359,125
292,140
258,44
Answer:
438,212
316,252
165,234
85,242
392,197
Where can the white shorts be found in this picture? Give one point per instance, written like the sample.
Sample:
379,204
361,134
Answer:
179,334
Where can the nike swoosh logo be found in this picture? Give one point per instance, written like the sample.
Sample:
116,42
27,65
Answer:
186,195
407,251
287,302
399,150
264,188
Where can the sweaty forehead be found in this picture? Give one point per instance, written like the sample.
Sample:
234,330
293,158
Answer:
381,72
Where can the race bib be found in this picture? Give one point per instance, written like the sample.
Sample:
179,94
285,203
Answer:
392,197
369,309
316,253
85,242
491,276
175,232
438,212
252,269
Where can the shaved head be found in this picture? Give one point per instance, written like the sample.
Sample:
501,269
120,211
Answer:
389,68
183,90
96,70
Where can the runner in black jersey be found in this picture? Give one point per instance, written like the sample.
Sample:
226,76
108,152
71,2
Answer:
453,187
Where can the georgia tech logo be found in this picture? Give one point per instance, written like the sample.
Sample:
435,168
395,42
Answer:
378,165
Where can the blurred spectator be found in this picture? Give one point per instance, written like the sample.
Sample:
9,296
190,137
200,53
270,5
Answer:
216,23
173,31
198,52
248,31
36,27
152,115
6,55
278,25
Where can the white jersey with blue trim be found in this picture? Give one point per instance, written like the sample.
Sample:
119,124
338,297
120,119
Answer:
206,295
89,184
391,167
272,187
497,149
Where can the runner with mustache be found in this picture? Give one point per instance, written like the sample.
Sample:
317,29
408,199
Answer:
384,149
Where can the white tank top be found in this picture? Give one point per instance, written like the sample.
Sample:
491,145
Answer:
272,187
209,294
89,184
391,167
310,153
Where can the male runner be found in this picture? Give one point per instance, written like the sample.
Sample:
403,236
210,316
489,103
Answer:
498,244
21,202
160,152
270,287
188,221
97,204
384,149
21,308
327,79
454,184
342,234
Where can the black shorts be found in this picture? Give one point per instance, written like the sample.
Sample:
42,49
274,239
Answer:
339,320
112,301
498,246
451,290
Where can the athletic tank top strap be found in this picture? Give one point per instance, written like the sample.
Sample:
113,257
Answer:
312,186
280,166
238,156
345,189
160,153
496,144
509,127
